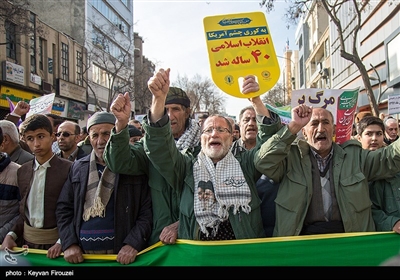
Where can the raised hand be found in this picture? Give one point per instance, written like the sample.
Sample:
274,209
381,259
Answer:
159,83
21,108
301,115
159,87
121,108
250,84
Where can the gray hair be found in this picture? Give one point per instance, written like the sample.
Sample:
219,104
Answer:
10,129
389,120
250,108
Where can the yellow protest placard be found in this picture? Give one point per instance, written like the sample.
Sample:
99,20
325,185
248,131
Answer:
239,45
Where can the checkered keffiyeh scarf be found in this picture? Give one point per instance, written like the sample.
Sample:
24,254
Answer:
191,137
226,186
98,190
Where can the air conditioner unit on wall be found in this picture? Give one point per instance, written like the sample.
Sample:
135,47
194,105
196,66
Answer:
324,73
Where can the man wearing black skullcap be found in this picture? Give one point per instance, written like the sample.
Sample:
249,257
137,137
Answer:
185,130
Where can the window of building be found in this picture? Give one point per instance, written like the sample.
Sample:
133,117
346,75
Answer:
32,42
103,42
79,68
42,44
64,62
119,84
392,55
10,39
112,16
327,48
301,42
100,76
301,74
52,61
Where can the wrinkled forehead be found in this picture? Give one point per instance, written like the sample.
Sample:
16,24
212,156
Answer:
249,113
101,127
321,114
175,106
216,121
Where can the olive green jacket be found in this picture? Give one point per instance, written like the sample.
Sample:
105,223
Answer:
177,168
353,167
124,158
385,197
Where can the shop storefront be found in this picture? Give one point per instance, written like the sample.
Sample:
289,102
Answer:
14,95
66,108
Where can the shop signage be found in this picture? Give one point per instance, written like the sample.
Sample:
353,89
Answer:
14,95
72,91
13,73
36,79
76,110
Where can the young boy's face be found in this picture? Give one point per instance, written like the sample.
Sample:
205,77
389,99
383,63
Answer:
40,141
371,138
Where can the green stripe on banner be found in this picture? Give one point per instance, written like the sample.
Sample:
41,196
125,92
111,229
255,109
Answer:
350,249
284,112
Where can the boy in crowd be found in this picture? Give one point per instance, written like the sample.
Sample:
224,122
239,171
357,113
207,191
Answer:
40,182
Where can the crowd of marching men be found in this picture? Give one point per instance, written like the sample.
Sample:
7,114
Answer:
118,186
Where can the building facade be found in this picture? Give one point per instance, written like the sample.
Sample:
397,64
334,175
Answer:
378,48
144,70
105,28
321,65
37,60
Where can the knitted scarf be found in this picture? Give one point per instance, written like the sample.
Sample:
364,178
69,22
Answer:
191,137
98,190
218,188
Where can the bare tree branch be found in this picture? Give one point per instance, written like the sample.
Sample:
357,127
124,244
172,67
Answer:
297,8
15,20
203,94
113,62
